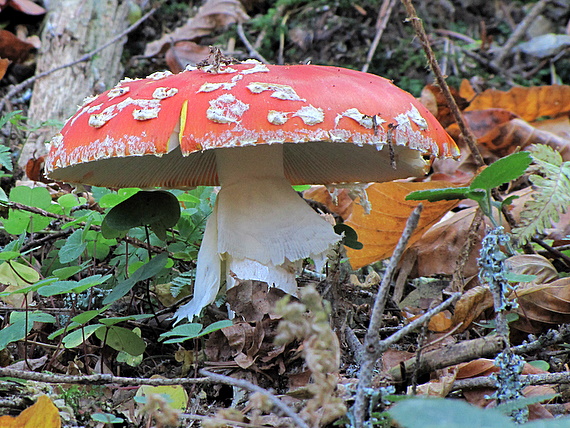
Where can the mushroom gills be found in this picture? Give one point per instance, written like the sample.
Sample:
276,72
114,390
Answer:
263,229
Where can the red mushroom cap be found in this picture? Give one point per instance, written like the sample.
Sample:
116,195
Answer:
345,120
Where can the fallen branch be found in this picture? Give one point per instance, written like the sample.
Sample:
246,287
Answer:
381,22
99,379
534,379
370,352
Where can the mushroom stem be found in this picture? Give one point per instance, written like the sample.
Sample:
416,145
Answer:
263,228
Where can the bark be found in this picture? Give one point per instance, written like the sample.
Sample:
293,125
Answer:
73,28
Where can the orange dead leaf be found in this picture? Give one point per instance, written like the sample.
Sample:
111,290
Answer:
183,53
340,203
543,305
528,103
4,63
381,229
435,101
471,305
43,414
12,47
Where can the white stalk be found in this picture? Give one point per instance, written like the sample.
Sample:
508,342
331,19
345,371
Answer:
263,228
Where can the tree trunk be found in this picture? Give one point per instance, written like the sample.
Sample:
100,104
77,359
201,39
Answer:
73,28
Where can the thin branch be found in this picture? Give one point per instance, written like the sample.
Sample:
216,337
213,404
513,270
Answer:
465,131
519,32
382,21
133,241
371,340
241,383
99,379
535,379
17,88
251,50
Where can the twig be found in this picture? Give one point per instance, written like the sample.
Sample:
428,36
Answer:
519,32
99,379
552,250
251,50
17,88
381,22
370,352
241,383
465,131
450,355
472,234
535,379
133,241
354,344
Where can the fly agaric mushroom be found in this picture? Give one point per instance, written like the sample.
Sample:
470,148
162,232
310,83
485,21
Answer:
254,130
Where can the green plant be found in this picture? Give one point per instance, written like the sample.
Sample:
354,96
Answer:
446,413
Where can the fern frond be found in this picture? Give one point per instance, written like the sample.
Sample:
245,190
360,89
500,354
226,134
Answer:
181,282
551,180
6,158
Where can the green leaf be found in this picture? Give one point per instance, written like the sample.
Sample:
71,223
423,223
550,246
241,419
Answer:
218,325
192,330
17,274
115,320
19,327
434,195
73,247
6,158
188,331
502,171
148,270
77,337
350,236
69,271
158,209
122,339
106,418
62,287
519,277
446,413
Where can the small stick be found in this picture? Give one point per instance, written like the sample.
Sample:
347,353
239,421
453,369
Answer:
535,379
99,379
519,32
252,51
465,131
241,383
370,352
17,88
382,21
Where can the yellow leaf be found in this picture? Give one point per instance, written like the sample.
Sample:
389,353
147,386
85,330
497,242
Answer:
177,396
380,230
43,414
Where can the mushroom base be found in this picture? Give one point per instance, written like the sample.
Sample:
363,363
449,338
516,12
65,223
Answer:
260,229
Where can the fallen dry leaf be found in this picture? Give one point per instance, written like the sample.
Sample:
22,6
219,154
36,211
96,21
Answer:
339,202
435,101
181,54
470,306
43,414
532,264
542,306
439,248
4,63
528,103
212,15
25,6
380,231
252,300
12,48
